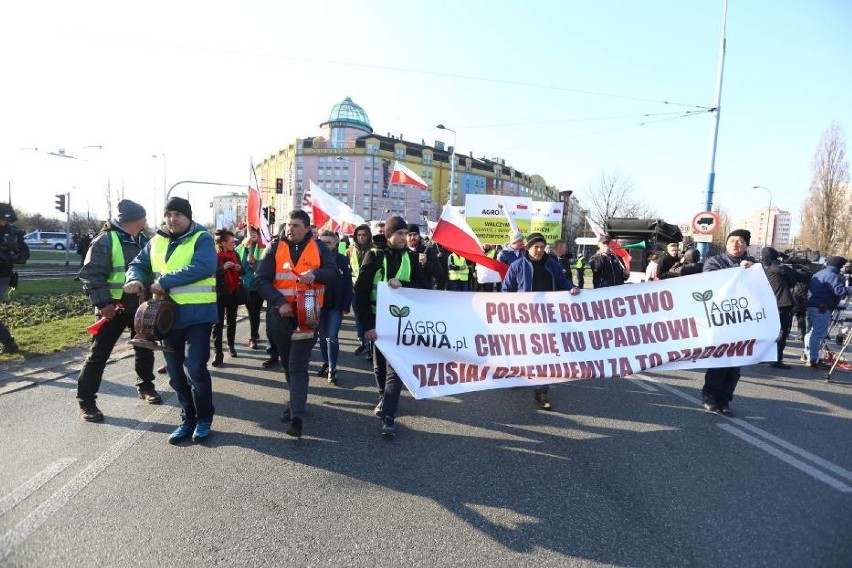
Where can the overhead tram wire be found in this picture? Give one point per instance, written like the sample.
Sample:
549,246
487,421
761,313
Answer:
421,72
680,114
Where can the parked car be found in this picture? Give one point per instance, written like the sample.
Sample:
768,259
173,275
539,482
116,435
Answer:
48,239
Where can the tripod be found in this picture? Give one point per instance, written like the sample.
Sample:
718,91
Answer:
837,321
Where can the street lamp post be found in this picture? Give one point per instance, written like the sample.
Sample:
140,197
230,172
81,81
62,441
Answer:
768,213
452,164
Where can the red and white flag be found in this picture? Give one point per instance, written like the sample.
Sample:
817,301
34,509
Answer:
254,210
455,235
404,176
332,214
513,225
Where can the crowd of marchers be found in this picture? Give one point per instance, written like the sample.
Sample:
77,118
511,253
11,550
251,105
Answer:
205,278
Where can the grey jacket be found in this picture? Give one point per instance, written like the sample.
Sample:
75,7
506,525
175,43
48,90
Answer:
98,265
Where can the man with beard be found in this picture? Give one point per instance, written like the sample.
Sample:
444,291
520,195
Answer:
536,271
298,261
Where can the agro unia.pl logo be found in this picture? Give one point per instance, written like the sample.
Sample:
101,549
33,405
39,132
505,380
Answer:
730,311
418,332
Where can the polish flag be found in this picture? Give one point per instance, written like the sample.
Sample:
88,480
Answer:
332,214
254,210
403,176
455,235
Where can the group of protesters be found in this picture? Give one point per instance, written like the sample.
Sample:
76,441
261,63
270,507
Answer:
207,278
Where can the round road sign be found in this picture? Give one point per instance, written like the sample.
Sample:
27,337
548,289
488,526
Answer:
705,223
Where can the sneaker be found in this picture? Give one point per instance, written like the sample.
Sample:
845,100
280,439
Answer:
252,343
323,370
379,407
709,404
150,396
218,359
780,365
286,416
202,431
181,433
161,370
90,413
543,401
232,351
332,376
360,350
725,409
388,427
270,363
803,358
295,428
10,347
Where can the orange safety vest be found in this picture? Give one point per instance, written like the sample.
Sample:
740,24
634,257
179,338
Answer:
285,280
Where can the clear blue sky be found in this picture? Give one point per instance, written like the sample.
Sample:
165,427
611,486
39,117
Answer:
556,88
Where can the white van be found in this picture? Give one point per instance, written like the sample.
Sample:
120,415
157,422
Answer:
47,239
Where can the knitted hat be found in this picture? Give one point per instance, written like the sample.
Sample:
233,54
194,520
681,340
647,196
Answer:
746,235
394,224
516,236
835,261
6,212
604,239
180,205
414,228
535,238
129,211
691,256
768,254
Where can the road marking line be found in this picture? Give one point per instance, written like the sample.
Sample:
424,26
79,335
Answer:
17,496
825,464
795,462
32,522
642,384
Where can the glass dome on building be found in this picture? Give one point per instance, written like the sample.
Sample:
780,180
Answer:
348,114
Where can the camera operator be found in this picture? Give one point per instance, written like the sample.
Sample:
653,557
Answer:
13,250
782,278
828,286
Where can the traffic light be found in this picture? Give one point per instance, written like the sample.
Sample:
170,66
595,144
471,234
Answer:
279,185
60,202
271,216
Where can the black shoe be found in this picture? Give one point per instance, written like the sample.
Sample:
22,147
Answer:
285,417
359,350
332,376
90,413
379,407
295,428
150,396
9,347
270,363
217,360
323,372
388,427
543,401
710,405
780,365
725,409
232,351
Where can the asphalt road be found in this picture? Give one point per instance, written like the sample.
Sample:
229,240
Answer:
625,472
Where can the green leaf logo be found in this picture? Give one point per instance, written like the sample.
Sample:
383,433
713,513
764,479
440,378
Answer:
405,311
697,296
395,311
707,295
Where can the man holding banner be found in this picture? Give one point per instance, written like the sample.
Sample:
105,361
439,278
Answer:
537,271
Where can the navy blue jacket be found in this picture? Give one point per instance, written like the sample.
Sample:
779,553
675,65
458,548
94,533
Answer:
338,295
519,277
827,287
725,260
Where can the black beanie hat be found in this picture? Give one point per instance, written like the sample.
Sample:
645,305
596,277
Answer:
6,212
835,261
746,235
129,211
534,238
394,224
414,228
768,254
180,205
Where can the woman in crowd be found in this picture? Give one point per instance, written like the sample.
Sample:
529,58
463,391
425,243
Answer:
249,253
228,284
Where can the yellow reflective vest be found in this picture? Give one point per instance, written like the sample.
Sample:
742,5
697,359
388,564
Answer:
200,292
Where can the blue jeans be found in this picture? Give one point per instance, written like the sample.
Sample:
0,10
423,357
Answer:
295,355
817,330
188,374
329,329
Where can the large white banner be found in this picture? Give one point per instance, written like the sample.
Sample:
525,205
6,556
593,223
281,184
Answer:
446,343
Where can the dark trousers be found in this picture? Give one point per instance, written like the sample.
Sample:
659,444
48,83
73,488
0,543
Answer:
389,383
719,384
786,315
271,316
359,327
253,308
89,379
188,373
580,278
5,334
295,355
227,305
457,285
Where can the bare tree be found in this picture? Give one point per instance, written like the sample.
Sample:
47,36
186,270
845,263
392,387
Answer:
827,211
612,196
